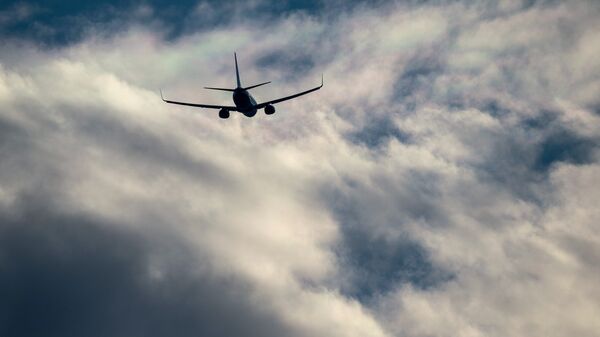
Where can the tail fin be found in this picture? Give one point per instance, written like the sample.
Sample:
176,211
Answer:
237,72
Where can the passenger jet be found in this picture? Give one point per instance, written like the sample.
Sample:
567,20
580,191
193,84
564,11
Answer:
244,102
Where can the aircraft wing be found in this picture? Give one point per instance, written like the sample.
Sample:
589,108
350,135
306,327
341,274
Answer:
199,105
262,105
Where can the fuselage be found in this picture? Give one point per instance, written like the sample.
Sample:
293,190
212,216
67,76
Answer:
244,102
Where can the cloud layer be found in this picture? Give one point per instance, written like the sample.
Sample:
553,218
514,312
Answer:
442,183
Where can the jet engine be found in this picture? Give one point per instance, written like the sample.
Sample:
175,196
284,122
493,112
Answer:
224,113
269,109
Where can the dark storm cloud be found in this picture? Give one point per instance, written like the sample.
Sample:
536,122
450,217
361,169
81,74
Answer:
522,157
291,62
74,275
508,166
413,86
493,107
544,119
522,162
375,253
566,147
376,265
377,131
57,23
595,107
12,136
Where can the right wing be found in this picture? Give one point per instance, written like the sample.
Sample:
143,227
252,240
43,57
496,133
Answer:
208,106
262,105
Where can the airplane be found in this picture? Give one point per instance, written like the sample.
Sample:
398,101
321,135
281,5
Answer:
244,102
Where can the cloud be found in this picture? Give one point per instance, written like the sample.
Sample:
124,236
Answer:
71,275
441,183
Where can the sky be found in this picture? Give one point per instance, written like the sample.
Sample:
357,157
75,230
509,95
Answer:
443,182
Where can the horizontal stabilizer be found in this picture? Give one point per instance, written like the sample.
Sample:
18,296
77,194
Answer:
256,85
222,89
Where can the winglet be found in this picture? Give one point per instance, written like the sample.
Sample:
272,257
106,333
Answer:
161,95
321,79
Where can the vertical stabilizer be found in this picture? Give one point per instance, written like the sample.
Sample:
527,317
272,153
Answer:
237,72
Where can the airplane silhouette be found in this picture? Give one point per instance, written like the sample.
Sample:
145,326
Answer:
244,102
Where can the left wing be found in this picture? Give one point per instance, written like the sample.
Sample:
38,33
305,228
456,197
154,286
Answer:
208,106
262,105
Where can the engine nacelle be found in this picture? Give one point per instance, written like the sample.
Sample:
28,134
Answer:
269,109
224,113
